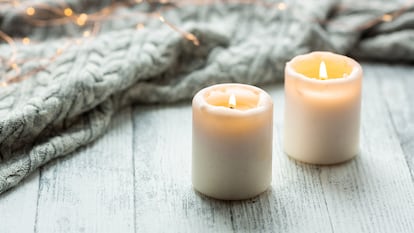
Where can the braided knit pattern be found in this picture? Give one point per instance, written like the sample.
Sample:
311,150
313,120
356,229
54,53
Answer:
71,103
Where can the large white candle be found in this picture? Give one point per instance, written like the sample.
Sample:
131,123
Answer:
322,108
232,141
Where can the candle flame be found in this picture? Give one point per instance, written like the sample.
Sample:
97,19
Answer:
232,101
322,71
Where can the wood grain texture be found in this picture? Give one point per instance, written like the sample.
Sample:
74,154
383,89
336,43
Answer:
137,178
398,95
91,191
374,192
18,206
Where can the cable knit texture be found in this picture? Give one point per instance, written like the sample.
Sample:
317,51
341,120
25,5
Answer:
72,101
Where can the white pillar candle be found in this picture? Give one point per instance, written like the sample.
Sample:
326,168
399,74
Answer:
232,141
322,108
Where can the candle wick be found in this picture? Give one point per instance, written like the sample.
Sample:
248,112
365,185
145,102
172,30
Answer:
232,101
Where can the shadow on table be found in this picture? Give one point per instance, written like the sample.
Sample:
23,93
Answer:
249,215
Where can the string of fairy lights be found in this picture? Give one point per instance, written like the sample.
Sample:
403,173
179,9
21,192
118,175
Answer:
90,23
63,14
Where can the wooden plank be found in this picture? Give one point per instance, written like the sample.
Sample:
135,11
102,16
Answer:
397,86
374,192
162,147
18,206
91,190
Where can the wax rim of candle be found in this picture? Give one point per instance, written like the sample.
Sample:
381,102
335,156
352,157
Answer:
264,103
355,73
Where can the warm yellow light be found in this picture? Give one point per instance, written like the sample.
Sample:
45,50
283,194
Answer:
30,11
140,26
68,12
106,11
14,66
281,6
26,40
86,33
323,74
81,20
387,18
16,3
193,38
232,101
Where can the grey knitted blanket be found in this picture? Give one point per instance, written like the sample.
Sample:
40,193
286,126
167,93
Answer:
71,102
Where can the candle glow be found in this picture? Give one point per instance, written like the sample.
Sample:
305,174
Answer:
323,74
232,101
322,115
232,149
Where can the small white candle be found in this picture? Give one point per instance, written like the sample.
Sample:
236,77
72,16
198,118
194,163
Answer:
232,141
322,108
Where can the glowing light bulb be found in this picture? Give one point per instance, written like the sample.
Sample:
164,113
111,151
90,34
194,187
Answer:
387,18
81,20
30,11
26,40
281,6
193,38
68,12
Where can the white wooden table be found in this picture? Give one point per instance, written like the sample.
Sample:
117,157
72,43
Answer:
137,177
